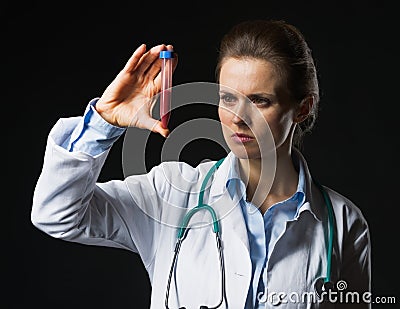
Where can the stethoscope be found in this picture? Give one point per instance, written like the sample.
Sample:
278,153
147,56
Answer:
322,284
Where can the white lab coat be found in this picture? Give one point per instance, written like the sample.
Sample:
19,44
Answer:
141,213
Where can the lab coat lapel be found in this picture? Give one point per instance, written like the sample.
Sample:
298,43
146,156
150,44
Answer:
231,218
234,238
228,210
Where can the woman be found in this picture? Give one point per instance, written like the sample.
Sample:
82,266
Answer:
273,236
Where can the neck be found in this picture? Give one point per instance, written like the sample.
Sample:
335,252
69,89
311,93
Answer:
264,190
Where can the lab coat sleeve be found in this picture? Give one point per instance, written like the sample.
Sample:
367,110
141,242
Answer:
356,256
69,203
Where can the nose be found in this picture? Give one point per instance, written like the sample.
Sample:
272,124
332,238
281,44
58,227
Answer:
241,114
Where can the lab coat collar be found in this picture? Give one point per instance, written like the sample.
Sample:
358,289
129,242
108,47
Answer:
313,200
221,176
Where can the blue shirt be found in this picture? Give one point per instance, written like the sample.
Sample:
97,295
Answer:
94,135
263,230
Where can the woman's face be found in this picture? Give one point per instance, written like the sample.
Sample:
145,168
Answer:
244,119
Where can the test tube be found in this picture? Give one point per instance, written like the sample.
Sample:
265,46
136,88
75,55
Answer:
166,84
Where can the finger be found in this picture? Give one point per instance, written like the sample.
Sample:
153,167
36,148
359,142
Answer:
157,79
134,59
175,59
155,69
174,62
149,58
155,126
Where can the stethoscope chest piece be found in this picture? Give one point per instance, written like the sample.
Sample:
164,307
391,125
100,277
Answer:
323,287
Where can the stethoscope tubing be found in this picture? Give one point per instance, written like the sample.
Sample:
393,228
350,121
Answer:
183,230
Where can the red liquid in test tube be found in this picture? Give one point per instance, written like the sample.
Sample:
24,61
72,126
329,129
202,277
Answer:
166,84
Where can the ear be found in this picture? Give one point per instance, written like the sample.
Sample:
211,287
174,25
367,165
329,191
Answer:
304,109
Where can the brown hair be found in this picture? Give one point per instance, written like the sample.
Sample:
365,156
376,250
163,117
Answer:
285,48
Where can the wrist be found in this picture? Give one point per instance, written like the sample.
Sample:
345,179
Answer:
102,111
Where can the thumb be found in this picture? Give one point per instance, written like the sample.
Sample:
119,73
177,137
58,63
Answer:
156,126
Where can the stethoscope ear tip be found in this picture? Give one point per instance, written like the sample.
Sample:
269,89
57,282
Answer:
322,286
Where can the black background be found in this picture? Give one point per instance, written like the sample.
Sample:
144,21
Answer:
59,55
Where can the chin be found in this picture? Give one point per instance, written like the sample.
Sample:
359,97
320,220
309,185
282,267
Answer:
243,152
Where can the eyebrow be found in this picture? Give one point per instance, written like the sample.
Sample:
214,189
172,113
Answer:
258,94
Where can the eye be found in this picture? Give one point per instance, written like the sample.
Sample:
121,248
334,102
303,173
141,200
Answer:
227,98
260,101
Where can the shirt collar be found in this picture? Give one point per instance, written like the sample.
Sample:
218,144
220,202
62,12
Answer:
235,185
301,184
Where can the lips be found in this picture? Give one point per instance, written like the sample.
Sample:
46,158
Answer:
241,138
242,135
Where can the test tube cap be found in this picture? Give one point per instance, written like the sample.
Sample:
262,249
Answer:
166,54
